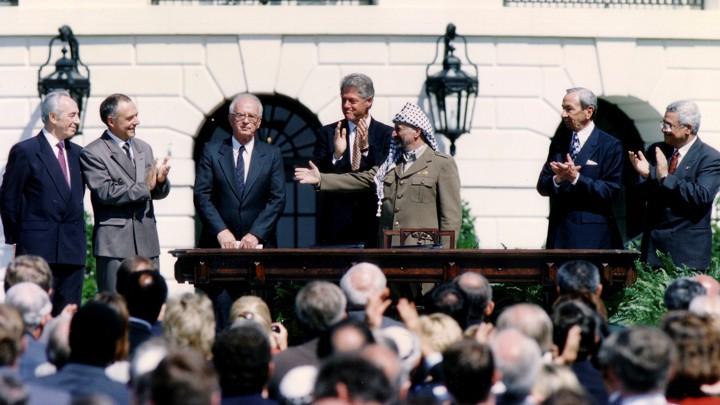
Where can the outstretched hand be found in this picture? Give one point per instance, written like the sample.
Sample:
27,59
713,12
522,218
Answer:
308,176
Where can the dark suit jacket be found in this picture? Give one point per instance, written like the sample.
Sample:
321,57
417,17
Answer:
581,215
679,209
125,222
81,380
40,213
350,218
219,204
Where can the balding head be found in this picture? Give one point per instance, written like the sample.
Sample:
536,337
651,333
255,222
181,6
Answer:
361,281
706,305
712,286
531,320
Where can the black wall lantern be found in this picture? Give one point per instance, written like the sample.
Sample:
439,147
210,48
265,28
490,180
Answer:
451,92
66,75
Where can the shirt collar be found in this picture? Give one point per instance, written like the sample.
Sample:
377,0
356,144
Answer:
352,126
117,140
684,150
585,133
248,146
51,138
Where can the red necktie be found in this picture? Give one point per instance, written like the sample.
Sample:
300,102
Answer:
674,162
61,160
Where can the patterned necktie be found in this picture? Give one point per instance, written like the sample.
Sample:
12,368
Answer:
126,148
356,154
574,146
61,161
674,162
240,171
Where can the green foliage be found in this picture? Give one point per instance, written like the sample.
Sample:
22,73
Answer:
507,294
642,302
89,284
467,238
283,308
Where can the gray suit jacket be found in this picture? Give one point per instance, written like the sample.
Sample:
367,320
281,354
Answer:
122,202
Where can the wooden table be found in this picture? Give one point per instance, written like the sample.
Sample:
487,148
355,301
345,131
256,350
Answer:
227,268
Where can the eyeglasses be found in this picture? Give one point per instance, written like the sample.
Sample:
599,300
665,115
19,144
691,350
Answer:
666,126
252,118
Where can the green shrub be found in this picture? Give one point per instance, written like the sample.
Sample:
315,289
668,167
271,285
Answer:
89,283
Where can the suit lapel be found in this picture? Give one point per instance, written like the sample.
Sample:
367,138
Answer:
48,158
588,148
257,161
226,161
118,156
139,156
688,161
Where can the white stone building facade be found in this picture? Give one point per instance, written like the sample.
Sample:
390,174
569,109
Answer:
181,63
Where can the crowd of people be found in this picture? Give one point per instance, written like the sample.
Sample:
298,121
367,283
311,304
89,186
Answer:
137,346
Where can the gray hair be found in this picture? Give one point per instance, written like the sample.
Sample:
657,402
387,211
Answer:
362,280
363,84
32,301
519,359
243,96
687,112
51,103
319,305
529,319
587,98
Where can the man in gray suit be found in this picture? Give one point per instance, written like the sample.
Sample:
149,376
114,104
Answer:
123,178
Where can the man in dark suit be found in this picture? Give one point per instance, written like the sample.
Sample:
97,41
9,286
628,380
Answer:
356,143
240,184
582,177
680,178
41,198
123,178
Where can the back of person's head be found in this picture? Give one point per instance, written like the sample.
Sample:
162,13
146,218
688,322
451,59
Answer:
592,301
681,291
641,358
95,330
469,369
143,362
568,396
361,281
252,308
403,342
319,305
129,265
117,303
697,339
578,275
438,331
183,377
708,305
29,268
518,359
531,320
478,295
348,335
32,302
352,375
190,321
552,378
449,299
389,362
12,329
145,294
241,356
58,346
12,391
572,313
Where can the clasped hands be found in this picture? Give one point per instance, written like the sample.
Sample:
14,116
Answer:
158,172
227,240
565,170
642,166
340,141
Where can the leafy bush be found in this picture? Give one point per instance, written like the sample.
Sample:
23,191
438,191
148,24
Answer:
89,283
467,238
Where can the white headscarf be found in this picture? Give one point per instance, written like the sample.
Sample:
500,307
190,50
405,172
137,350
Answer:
412,115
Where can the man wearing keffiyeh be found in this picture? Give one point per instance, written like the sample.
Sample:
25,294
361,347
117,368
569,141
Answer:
417,186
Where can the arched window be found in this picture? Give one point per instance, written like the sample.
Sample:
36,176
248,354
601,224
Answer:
293,128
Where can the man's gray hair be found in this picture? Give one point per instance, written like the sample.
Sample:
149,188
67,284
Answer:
518,358
688,113
32,301
243,96
363,84
531,320
319,305
51,103
587,98
360,281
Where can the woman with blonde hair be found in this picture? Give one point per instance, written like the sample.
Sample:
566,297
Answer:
189,321
250,307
